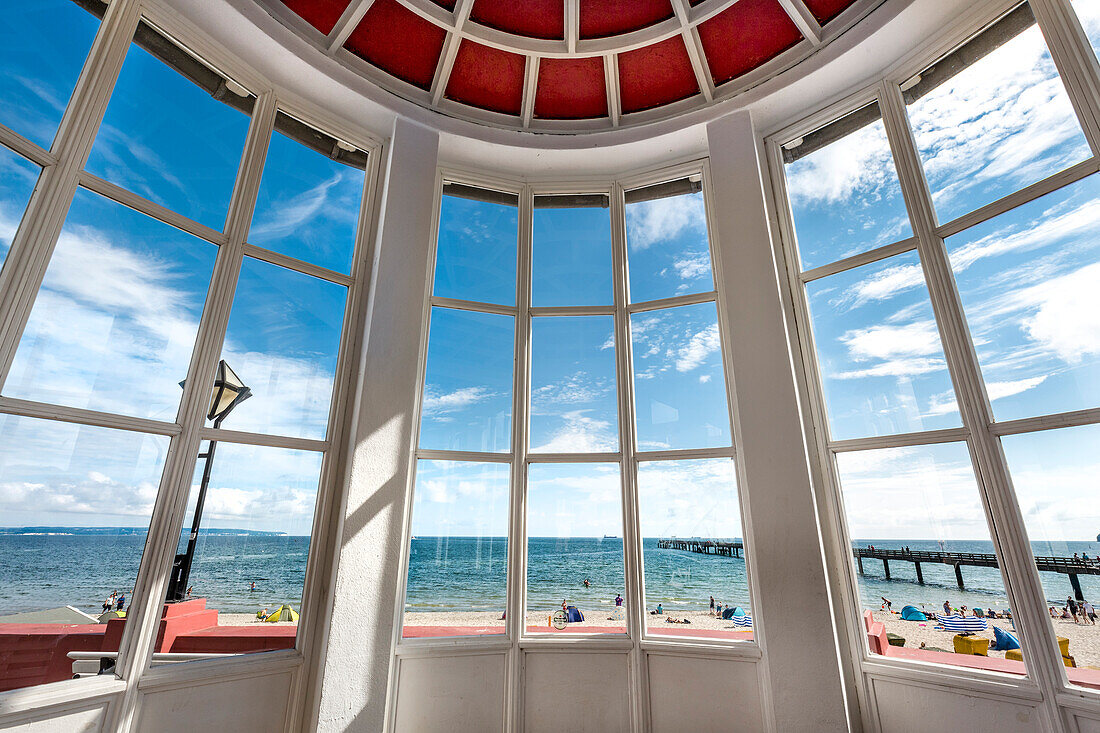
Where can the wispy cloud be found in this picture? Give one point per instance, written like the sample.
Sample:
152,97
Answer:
459,399
660,220
284,217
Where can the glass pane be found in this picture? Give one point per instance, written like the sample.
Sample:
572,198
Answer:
114,323
922,546
667,246
458,558
75,503
575,578
166,138
1088,12
283,342
248,556
1054,473
468,382
476,255
879,352
308,205
679,385
18,177
844,191
1028,281
43,45
573,398
571,254
693,549
1000,124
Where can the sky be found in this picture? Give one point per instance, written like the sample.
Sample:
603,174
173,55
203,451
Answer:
114,324
1029,281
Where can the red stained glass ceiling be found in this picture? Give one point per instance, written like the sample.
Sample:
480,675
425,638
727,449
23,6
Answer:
526,63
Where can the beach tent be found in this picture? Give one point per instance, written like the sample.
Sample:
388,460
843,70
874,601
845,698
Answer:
573,614
743,620
963,624
282,613
1004,640
911,613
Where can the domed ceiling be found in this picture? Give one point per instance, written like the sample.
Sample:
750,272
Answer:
568,65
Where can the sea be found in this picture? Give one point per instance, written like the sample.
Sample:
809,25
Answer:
39,571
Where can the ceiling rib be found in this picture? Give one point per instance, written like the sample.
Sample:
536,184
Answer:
611,81
695,49
350,18
530,83
804,19
450,51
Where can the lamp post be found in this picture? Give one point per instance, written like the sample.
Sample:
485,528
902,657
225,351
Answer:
229,391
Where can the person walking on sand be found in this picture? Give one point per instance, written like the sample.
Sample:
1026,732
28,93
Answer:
946,608
1072,606
121,603
106,604
1088,613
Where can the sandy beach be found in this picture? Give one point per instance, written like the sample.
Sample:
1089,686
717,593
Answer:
699,620
1084,641
245,619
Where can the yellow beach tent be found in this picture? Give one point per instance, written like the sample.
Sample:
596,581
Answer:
282,613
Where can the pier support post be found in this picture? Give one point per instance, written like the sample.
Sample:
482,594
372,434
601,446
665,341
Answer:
920,576
1076,583
859,563
886,567
959,575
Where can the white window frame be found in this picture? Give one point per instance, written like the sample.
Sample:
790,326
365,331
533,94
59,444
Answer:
515,641
22,275
1046,678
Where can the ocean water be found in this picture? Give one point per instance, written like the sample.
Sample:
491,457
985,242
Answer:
462,573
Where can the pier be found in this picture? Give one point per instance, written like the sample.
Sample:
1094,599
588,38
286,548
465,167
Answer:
1065,565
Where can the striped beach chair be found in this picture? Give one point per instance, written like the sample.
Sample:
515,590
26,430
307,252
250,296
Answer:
962,624
745,621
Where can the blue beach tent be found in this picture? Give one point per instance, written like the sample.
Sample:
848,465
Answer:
731,612
911,613
1003,641
573,614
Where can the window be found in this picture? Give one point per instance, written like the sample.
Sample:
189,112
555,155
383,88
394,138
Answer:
121,337
566,467
919,472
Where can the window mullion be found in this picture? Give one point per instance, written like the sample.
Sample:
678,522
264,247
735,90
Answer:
995,487
171,503
1075,61
628,471
516,593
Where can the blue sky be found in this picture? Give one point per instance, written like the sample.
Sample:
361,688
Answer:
114,324
1029,283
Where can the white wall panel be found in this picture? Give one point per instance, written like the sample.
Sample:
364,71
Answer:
689,693
571,692
84,721
900,705
1087,725
251,705
456,694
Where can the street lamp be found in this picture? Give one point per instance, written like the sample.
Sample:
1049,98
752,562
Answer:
229,391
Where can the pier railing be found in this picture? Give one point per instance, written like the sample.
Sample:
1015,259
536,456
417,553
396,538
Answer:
1071,566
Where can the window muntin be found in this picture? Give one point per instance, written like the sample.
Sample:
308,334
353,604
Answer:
114,322
575,534
1000,123
174,131
879,353
18,177
253,542
308,203
921,503
666,236
283,341
76,502
679,384
696,502
571,251
467,401
43,45
1028,282
843,189
458,556
476,249
1054,474
573,395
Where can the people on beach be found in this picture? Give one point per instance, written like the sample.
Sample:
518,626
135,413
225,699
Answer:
659,609
121,603
712,604
618,600
946,608
1072,606
108,602
886,605
586,583
1088,613
189,589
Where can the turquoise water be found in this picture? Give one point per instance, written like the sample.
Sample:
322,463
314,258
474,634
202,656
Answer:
462,573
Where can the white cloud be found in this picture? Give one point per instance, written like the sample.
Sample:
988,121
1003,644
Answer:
577,388
692,266
944,403
860,163
284,217
1067,315
580,433
901,351
659,220
435,403
702,344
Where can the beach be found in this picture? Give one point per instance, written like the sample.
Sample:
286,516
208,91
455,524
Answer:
699,620
1084,641
245,619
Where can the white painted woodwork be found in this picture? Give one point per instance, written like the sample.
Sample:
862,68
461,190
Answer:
703,694
575,691
458,694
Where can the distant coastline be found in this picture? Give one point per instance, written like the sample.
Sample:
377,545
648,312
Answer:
129,531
